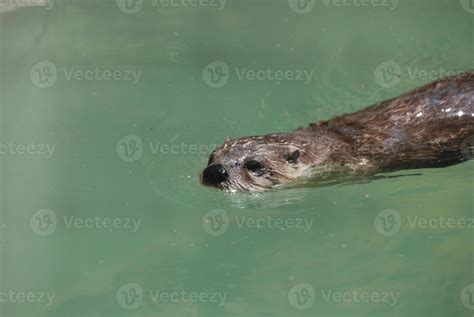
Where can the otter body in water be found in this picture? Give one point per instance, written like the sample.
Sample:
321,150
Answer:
432,126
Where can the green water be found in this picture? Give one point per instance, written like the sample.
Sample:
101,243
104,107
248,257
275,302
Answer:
109,232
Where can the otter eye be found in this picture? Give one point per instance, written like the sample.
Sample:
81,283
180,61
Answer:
293,156
253,165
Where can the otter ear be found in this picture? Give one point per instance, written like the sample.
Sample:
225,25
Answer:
293,156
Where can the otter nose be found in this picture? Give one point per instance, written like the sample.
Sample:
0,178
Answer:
214,174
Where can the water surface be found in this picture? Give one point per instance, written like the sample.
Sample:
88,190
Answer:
129,110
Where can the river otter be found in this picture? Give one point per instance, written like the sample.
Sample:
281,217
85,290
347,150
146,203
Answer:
432,126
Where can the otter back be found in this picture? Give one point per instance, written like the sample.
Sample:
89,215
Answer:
428,127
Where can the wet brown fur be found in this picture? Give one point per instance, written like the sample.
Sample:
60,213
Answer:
423,128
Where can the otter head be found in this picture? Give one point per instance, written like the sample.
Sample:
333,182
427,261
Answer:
255,164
